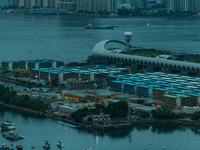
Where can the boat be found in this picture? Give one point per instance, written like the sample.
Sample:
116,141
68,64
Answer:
46,145
87,148
7,125
59,144
91,26
4,147
19,147
12,136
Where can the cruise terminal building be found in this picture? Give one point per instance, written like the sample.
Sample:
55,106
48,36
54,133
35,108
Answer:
121,58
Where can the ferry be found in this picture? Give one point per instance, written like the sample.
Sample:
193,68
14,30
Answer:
91,26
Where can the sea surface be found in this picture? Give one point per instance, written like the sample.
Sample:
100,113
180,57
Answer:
142,137
28,37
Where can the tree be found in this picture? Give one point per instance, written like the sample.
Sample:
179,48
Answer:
195,115
165,114
143,114
118,109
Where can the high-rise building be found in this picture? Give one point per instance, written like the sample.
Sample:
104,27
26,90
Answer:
183,5
52,3
97,5
38,3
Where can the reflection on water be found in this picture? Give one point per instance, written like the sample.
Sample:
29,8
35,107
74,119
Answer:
166,128
37,129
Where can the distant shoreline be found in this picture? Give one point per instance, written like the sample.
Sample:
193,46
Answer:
105,16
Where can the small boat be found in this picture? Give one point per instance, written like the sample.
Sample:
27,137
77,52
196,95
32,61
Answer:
12,136
33,147
46,145
87,148
91,26
19,147
59,144
7,125
4,147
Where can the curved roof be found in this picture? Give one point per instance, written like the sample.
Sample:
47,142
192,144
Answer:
99,50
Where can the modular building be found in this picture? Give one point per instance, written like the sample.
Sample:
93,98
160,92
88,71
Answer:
171,101
54,75
195,99
44,74
129,88
116,86
35,74
144,91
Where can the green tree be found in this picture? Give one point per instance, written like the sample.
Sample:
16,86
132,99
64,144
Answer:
118,109
195,115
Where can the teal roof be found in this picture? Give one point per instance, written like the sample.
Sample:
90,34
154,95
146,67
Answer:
130,84
190,94
181,95
172,96
161,89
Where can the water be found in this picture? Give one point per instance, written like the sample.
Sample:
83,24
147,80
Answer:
64,37
36,130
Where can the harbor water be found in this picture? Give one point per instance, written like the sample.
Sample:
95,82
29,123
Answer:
149,137
28,37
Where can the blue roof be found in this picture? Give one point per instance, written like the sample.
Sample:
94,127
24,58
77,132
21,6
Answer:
172,96
196,90
112,76
55,72
97,73
161,89
175,91
65,72
165,85
117,81
143,86
193,94
35,69
130,84
45,71
87,73
182,95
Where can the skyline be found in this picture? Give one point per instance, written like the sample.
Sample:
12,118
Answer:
103,5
